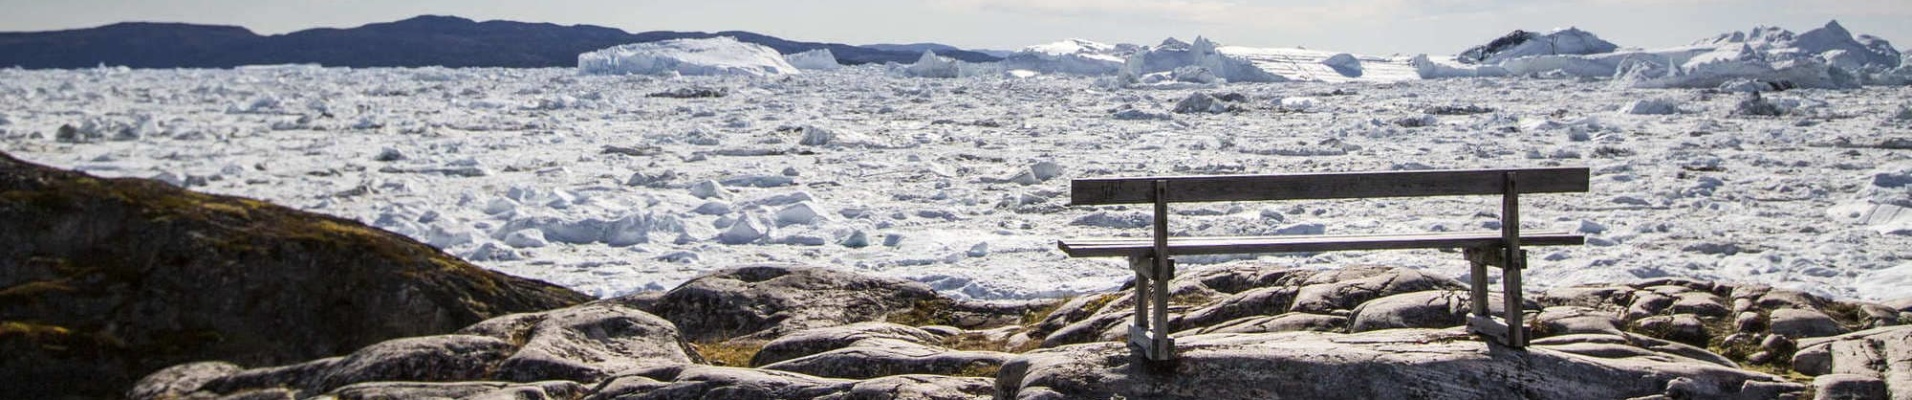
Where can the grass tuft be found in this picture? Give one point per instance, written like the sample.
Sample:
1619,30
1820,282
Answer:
728,353
937,311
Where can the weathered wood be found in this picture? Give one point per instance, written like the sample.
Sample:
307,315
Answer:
1129,247
1184,189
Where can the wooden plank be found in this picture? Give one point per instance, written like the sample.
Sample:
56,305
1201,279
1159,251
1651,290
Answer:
1346,185
1125,247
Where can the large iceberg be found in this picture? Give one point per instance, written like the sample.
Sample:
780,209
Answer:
1828,57
819,59
934,66
1071,56
713,56
1173,55
1523,43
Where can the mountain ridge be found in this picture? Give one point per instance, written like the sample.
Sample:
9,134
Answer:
426,40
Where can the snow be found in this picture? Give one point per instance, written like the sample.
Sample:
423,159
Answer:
721,56
1070,56
819,59
587,181
935,66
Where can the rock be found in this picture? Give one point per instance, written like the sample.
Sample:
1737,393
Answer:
1877,353
585,343
1424,309
1749,322
1848,387
180,380
1699,303
1396,363
1797,323
159,279
1343,289
446,358
415,390
767,301
918,387
708,382
884,357
1572,320
1683,328
1289,322
812,341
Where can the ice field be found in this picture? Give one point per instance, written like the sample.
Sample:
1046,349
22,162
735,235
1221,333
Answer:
595,183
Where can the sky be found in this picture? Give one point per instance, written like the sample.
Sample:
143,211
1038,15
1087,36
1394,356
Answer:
1375,27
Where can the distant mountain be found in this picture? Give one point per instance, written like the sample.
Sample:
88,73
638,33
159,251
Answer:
416,42
917,48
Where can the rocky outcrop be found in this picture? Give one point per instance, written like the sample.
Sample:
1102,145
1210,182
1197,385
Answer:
870,350
708,382
1246,331
1386,364
1859,362
767,301
583,344
106,280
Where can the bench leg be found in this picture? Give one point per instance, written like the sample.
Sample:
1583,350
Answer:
1138,331
1477,281
1510,281
1164,346
1148,335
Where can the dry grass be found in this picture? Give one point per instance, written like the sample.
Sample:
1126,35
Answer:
980,369
729,353
935,311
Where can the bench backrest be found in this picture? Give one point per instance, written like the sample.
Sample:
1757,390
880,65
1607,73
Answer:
1347,185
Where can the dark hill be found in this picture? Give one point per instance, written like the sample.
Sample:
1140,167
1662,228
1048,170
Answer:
415,42
103,281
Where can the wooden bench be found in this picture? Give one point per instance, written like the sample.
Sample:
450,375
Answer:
1152,257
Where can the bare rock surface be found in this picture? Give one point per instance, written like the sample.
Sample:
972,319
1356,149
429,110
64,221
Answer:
813,341
107,280
586,343
885,357
1881,353
764,302
1396,363
709,382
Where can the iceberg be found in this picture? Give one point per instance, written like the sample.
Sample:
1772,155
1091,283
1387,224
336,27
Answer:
721,56
819,59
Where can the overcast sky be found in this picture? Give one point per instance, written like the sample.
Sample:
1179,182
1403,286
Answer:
1377,27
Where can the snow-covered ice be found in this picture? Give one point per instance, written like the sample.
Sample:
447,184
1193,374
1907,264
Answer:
713,56
819,59
962,183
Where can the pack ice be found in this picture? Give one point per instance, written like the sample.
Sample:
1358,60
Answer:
721,56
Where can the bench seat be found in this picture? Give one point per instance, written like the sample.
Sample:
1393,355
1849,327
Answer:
1141,247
